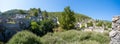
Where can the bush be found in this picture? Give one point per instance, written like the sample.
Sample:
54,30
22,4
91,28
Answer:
49,39
41,28
89,42
24,37
75,37
34,27
1,42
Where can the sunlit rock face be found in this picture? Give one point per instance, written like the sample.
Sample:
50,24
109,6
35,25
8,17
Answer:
115,33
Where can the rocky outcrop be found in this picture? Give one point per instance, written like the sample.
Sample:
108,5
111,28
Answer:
115,33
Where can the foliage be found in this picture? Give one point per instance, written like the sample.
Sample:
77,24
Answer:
45,14
99,23
104,22
73,36
42,27
39,10
67,19
81,17
58,29
22,12
46,26
24,37
109,25
1,42
90,24
89,42
34,11
34,25
78,17
83,26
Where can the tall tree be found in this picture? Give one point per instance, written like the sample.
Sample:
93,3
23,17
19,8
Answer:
45,14
46,25
0,12
39,10
21,11
33,12
67,19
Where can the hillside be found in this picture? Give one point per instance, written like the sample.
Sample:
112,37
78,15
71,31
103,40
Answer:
77,15
51,14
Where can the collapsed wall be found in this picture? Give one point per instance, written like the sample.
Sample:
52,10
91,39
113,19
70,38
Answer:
115,33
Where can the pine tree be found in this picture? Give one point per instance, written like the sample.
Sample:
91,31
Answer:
21,11
45,14
39,10
33,12
67,19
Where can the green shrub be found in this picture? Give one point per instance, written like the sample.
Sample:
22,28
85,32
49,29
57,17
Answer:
100,38
67,37
89,42
75,37
24,37
85,42
1,42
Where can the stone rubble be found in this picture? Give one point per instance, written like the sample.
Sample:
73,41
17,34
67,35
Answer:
115,33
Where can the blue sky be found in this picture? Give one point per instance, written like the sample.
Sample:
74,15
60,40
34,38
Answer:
97,9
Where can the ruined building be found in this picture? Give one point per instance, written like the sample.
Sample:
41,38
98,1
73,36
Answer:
115,33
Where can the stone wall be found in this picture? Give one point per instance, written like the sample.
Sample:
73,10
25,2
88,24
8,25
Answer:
115,33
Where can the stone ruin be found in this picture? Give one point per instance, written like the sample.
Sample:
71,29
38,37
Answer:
115,33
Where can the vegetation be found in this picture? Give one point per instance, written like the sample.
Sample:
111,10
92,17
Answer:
45,14
75,37
41,28
47,26
22,12
1,42
34,27
34,11
78,17
24,37
67,19
103,22
90,24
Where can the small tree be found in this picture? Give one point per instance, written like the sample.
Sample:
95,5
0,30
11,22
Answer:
83,26
99,24
45,14
34,27
89,24
22,12
34,12
109,25
42,27
46,26
39,10
67,19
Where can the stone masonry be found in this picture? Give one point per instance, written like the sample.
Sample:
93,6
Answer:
115,33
